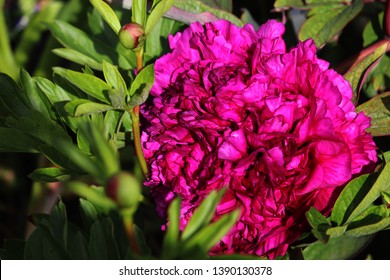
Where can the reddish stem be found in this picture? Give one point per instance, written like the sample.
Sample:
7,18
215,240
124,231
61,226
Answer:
386,20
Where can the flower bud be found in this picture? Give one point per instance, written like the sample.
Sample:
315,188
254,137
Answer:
132,36
124,189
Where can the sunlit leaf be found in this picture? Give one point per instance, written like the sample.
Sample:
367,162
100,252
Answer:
326,21
339,248
350,197
356,75
80,107
78,57
90,84
108,14
138,12
382,184
160,7
378,109
196,6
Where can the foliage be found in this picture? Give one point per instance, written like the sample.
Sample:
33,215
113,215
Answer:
79,111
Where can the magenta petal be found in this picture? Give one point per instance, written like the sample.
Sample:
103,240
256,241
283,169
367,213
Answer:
232,108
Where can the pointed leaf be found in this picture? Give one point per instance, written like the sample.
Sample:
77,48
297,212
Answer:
350,197
378,109
15,140
78,57
382,184
79,248
92,194
102,245
105,154
160,7
318,222
339,248
108,14
138,12
113,77
203,214
171,239
140,88
12,97
326,21
356,75
81,107
204,240
76,39
49,174
90,84
32,94
196,6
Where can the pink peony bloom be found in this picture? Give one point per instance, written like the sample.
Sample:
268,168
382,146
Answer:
233,108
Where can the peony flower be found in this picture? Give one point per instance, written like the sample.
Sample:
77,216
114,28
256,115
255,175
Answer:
232,107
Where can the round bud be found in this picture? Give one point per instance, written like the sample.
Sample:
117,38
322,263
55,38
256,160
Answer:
124,189
132,36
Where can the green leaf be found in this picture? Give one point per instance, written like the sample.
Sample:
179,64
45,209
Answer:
160,7
143,82
102,245
336,231
68,156
41,128
59,223
92,194
76,39
286,4
318,222
12,96
89,213
138,12
90,84
32,94
203,214
371,221
105,154
382,184
33,33
160,31
171,238
78,57
108,14
225,5
339,248
350,197
81,107
378,109
113,77
79,248
205,239
196,6
41,245
326,21
356,75
15,140
50,174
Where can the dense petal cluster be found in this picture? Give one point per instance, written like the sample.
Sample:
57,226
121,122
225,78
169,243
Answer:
232,107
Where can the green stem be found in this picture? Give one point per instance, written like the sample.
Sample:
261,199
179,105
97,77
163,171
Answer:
137,140
135,119
8,64
129,227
